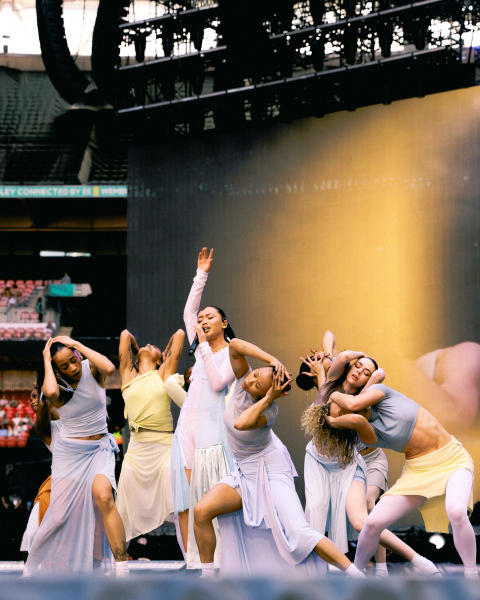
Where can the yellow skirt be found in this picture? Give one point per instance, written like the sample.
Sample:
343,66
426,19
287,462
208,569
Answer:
428,476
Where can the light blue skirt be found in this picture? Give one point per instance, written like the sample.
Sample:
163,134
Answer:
71,534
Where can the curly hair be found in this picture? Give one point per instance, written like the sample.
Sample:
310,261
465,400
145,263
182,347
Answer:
335,444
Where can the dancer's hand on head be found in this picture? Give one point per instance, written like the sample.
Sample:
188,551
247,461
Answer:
333,422
315,364
279,369
201,334
65,340
278,389
46,351
205,260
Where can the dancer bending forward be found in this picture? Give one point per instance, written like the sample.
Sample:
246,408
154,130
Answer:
83,466
262,482
437,477
335,483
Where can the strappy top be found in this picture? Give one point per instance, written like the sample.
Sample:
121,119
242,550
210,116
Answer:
85,413
147,403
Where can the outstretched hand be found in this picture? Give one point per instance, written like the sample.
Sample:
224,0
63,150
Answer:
315,364
205,260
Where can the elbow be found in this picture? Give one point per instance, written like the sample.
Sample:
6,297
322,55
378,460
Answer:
240,426
180,333
218,387
110,370
125,334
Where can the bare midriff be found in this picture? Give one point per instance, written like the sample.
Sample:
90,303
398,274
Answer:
366,451
155,430
428,436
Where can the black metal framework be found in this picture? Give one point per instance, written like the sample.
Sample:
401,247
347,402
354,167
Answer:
286,60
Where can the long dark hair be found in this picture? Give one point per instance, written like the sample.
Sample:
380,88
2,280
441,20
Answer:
54,348
228,332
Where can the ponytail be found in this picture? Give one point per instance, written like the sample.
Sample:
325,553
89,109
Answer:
228,332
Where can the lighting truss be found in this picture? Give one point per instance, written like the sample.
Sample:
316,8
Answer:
225,64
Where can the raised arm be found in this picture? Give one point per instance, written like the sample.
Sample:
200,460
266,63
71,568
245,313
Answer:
50,387
127,349
172,354
204,264
341,362
243,349
354,403
100,365
357,423
329,344
377,377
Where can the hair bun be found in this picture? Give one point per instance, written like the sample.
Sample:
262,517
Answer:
304,382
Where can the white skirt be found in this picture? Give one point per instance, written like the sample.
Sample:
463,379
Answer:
32,528
145,498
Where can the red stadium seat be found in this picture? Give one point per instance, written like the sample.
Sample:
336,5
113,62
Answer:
2,282
11,442
20,283
25,316
3,441
34,317
7,336
10,282
2,331
29,283
38,283
38,335
20,332
22,443
3,301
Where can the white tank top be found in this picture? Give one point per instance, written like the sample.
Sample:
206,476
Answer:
86,412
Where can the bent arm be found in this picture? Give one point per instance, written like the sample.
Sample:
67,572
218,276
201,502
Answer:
377,377
50,388
100,363
193,303
329,344
127,348
348,402
217,378
252,417
172,354
341,362
357,423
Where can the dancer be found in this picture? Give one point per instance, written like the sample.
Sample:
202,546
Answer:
335,492
262,483
200,453
341,444
144,497
47,427
437,477
83,467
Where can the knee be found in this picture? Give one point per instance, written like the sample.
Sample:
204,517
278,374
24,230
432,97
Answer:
372,525
104,501
202,513
457,515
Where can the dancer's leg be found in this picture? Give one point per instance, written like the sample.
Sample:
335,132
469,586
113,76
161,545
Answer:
357,515
373,494
220,500
458,491
183,518
103,496
386,512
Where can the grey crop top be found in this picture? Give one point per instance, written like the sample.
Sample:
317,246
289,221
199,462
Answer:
247,443
393,419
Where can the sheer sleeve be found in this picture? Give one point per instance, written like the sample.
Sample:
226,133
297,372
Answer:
174,387
218,378
193,303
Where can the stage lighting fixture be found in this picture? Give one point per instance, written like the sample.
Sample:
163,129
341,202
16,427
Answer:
437,540
51,253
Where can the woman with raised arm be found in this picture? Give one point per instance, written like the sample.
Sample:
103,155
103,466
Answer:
437,477
200,453
325,484
83,467
144,497
261,483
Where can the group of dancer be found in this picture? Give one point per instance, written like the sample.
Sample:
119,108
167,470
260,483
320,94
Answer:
223,476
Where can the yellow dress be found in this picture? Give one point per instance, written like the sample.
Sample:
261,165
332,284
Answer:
145,498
